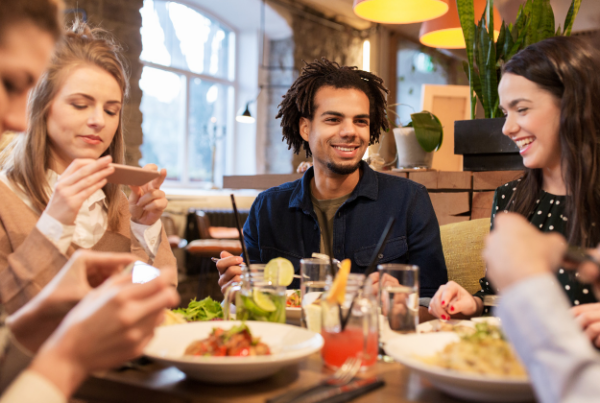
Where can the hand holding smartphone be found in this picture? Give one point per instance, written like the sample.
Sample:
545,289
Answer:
133,176
141,272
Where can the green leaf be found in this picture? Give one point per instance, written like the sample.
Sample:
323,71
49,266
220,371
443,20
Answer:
571,14
466,14
500,42
428,130
490,18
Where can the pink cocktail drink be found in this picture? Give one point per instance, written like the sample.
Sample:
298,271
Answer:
338,346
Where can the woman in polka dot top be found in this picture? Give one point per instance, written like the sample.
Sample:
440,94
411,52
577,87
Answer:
555,121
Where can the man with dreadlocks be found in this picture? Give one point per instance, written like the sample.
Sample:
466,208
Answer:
340,206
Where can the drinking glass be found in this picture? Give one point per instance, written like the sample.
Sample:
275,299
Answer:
257,297
399,296
360,336
315,278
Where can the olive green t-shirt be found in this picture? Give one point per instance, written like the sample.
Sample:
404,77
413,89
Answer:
325,211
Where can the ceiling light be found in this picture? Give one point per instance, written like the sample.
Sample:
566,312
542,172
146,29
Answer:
445,31
400,11
246,116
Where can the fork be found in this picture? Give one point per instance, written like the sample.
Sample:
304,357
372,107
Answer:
342,376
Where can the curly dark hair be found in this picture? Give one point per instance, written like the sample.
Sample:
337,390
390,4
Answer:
298,102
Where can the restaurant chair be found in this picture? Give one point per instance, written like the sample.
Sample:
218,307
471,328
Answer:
213,240
463,243
175,241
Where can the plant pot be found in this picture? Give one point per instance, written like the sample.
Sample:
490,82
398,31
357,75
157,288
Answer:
410,152
484,147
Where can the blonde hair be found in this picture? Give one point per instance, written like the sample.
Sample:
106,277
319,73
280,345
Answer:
28,160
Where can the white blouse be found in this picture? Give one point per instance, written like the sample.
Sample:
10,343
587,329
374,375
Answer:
91,222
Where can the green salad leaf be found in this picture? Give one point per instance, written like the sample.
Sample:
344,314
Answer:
207,309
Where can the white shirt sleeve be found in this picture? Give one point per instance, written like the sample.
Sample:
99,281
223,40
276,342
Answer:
148,236
59,234
30,387
562,364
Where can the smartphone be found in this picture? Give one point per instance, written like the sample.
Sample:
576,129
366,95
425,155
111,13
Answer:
128,175
141,272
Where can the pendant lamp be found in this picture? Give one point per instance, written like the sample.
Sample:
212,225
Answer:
445,31
400,11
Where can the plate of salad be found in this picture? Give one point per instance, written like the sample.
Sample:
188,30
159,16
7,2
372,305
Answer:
231,351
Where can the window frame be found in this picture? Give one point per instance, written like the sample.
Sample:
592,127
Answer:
184,180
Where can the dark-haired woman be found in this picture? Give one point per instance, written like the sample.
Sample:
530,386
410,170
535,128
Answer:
550,94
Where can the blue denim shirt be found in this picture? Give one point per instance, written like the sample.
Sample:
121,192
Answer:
282,223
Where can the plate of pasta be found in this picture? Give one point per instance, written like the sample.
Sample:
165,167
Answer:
479,366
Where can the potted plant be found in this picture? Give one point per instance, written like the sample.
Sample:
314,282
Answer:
481,140
416,141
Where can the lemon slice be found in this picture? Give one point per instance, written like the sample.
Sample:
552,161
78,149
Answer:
312,314
279,271
263,301
337,292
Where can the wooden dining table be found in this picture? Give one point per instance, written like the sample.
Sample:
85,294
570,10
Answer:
152,383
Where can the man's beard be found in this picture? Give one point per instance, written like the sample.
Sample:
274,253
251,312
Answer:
342,169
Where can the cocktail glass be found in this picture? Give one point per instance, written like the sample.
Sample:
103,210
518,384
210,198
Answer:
257,297
359,338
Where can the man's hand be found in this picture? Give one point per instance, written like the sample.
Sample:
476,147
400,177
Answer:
452,299
35,321
515,250
112,324
588,316
229,270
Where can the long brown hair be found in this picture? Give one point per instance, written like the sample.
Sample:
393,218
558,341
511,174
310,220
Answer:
567,67
28,160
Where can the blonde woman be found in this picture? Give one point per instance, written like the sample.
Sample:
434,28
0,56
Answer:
55,197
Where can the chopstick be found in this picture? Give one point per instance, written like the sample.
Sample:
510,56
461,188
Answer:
239,228
378,249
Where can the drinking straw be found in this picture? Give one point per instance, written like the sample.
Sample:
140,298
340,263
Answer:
378,249
239,228
334,271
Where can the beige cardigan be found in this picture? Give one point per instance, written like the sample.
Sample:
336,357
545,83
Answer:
28,260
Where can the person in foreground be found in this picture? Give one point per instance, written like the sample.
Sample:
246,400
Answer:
54,191
562,364
334,112
550,94
113,322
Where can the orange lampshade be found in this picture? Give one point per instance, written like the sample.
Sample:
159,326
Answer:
400,11
445,31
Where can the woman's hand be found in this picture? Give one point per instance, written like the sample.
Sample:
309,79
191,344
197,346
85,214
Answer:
111,325
35,321
452,299
79,181
588,316
147,203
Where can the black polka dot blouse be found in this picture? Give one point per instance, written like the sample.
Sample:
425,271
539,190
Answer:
548,216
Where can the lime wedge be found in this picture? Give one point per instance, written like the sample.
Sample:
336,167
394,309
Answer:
263,301
279,271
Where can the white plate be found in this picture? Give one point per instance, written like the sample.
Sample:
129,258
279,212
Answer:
472,387
288,344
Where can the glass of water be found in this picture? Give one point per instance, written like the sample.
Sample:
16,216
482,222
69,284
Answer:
315,278
399,296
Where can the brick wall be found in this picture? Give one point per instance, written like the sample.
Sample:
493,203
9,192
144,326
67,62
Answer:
122,18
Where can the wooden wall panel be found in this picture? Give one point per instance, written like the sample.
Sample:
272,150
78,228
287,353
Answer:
481,207
490,180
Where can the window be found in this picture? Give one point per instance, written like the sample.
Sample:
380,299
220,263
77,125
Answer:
188,84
